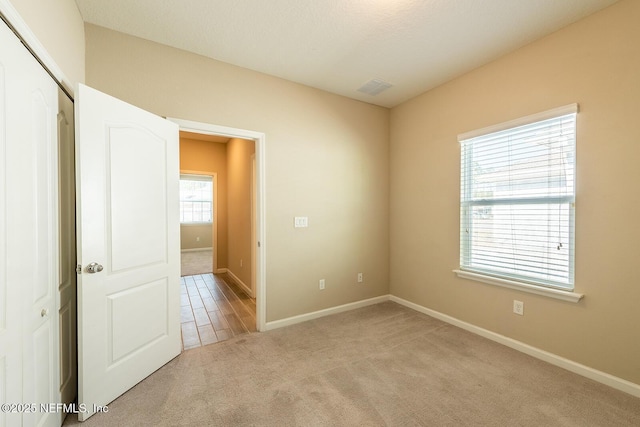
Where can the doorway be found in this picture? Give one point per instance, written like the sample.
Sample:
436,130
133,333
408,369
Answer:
236,283
198,222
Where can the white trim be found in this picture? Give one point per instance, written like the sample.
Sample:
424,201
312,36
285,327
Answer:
196,249
261,252
239,282
326,312
521,286
254,238
206,177
210,129
577,368
20,25
544,115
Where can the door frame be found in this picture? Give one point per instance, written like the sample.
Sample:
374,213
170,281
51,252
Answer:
214,222
259,139
254,238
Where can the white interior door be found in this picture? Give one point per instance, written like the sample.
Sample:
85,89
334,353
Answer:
29,371
127,198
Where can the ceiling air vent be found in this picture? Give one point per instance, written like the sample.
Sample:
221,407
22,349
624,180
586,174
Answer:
374,87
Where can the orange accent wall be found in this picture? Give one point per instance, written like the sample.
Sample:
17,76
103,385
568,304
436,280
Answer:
239,152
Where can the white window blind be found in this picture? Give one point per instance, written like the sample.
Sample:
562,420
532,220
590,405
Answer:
517,199
196,199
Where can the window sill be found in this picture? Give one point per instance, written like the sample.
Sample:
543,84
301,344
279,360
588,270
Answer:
520,286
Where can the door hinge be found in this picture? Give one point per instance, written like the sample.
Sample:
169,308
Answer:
79,269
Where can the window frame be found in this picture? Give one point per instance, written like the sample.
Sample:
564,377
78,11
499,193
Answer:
513,281
197,177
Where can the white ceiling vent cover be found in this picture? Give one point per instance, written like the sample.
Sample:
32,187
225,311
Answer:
374,87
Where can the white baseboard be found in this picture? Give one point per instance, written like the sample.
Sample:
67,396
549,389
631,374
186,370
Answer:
569,365
326,312
575,367
196,249
240,283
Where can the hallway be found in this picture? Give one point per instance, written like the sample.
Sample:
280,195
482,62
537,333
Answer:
213,309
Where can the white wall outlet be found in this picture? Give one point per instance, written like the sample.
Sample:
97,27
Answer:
360,278
241,263
197,239
321,284
518,307
300,221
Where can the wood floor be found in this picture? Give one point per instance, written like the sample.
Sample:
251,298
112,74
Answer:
213,309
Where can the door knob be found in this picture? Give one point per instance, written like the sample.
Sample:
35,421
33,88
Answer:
94,267
44,312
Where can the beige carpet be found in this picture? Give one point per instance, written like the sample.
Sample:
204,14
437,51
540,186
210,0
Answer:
375,366
196,262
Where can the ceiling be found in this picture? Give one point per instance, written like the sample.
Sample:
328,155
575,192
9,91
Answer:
339,45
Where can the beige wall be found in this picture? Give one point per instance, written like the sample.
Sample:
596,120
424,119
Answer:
595,62
239,166
326,158
196,236
59,27
207,158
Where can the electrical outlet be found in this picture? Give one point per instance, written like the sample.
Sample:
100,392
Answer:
360,278
240,262
300,221
518,307
197,239
321,284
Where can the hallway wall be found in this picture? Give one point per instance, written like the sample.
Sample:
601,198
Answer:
239,152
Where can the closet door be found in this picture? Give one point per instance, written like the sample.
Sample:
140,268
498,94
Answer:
10,313
29,335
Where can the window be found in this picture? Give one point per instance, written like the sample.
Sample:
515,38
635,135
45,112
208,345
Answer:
196,199
517,198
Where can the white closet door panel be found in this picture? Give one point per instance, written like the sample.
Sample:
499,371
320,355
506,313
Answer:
10,316
31,230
